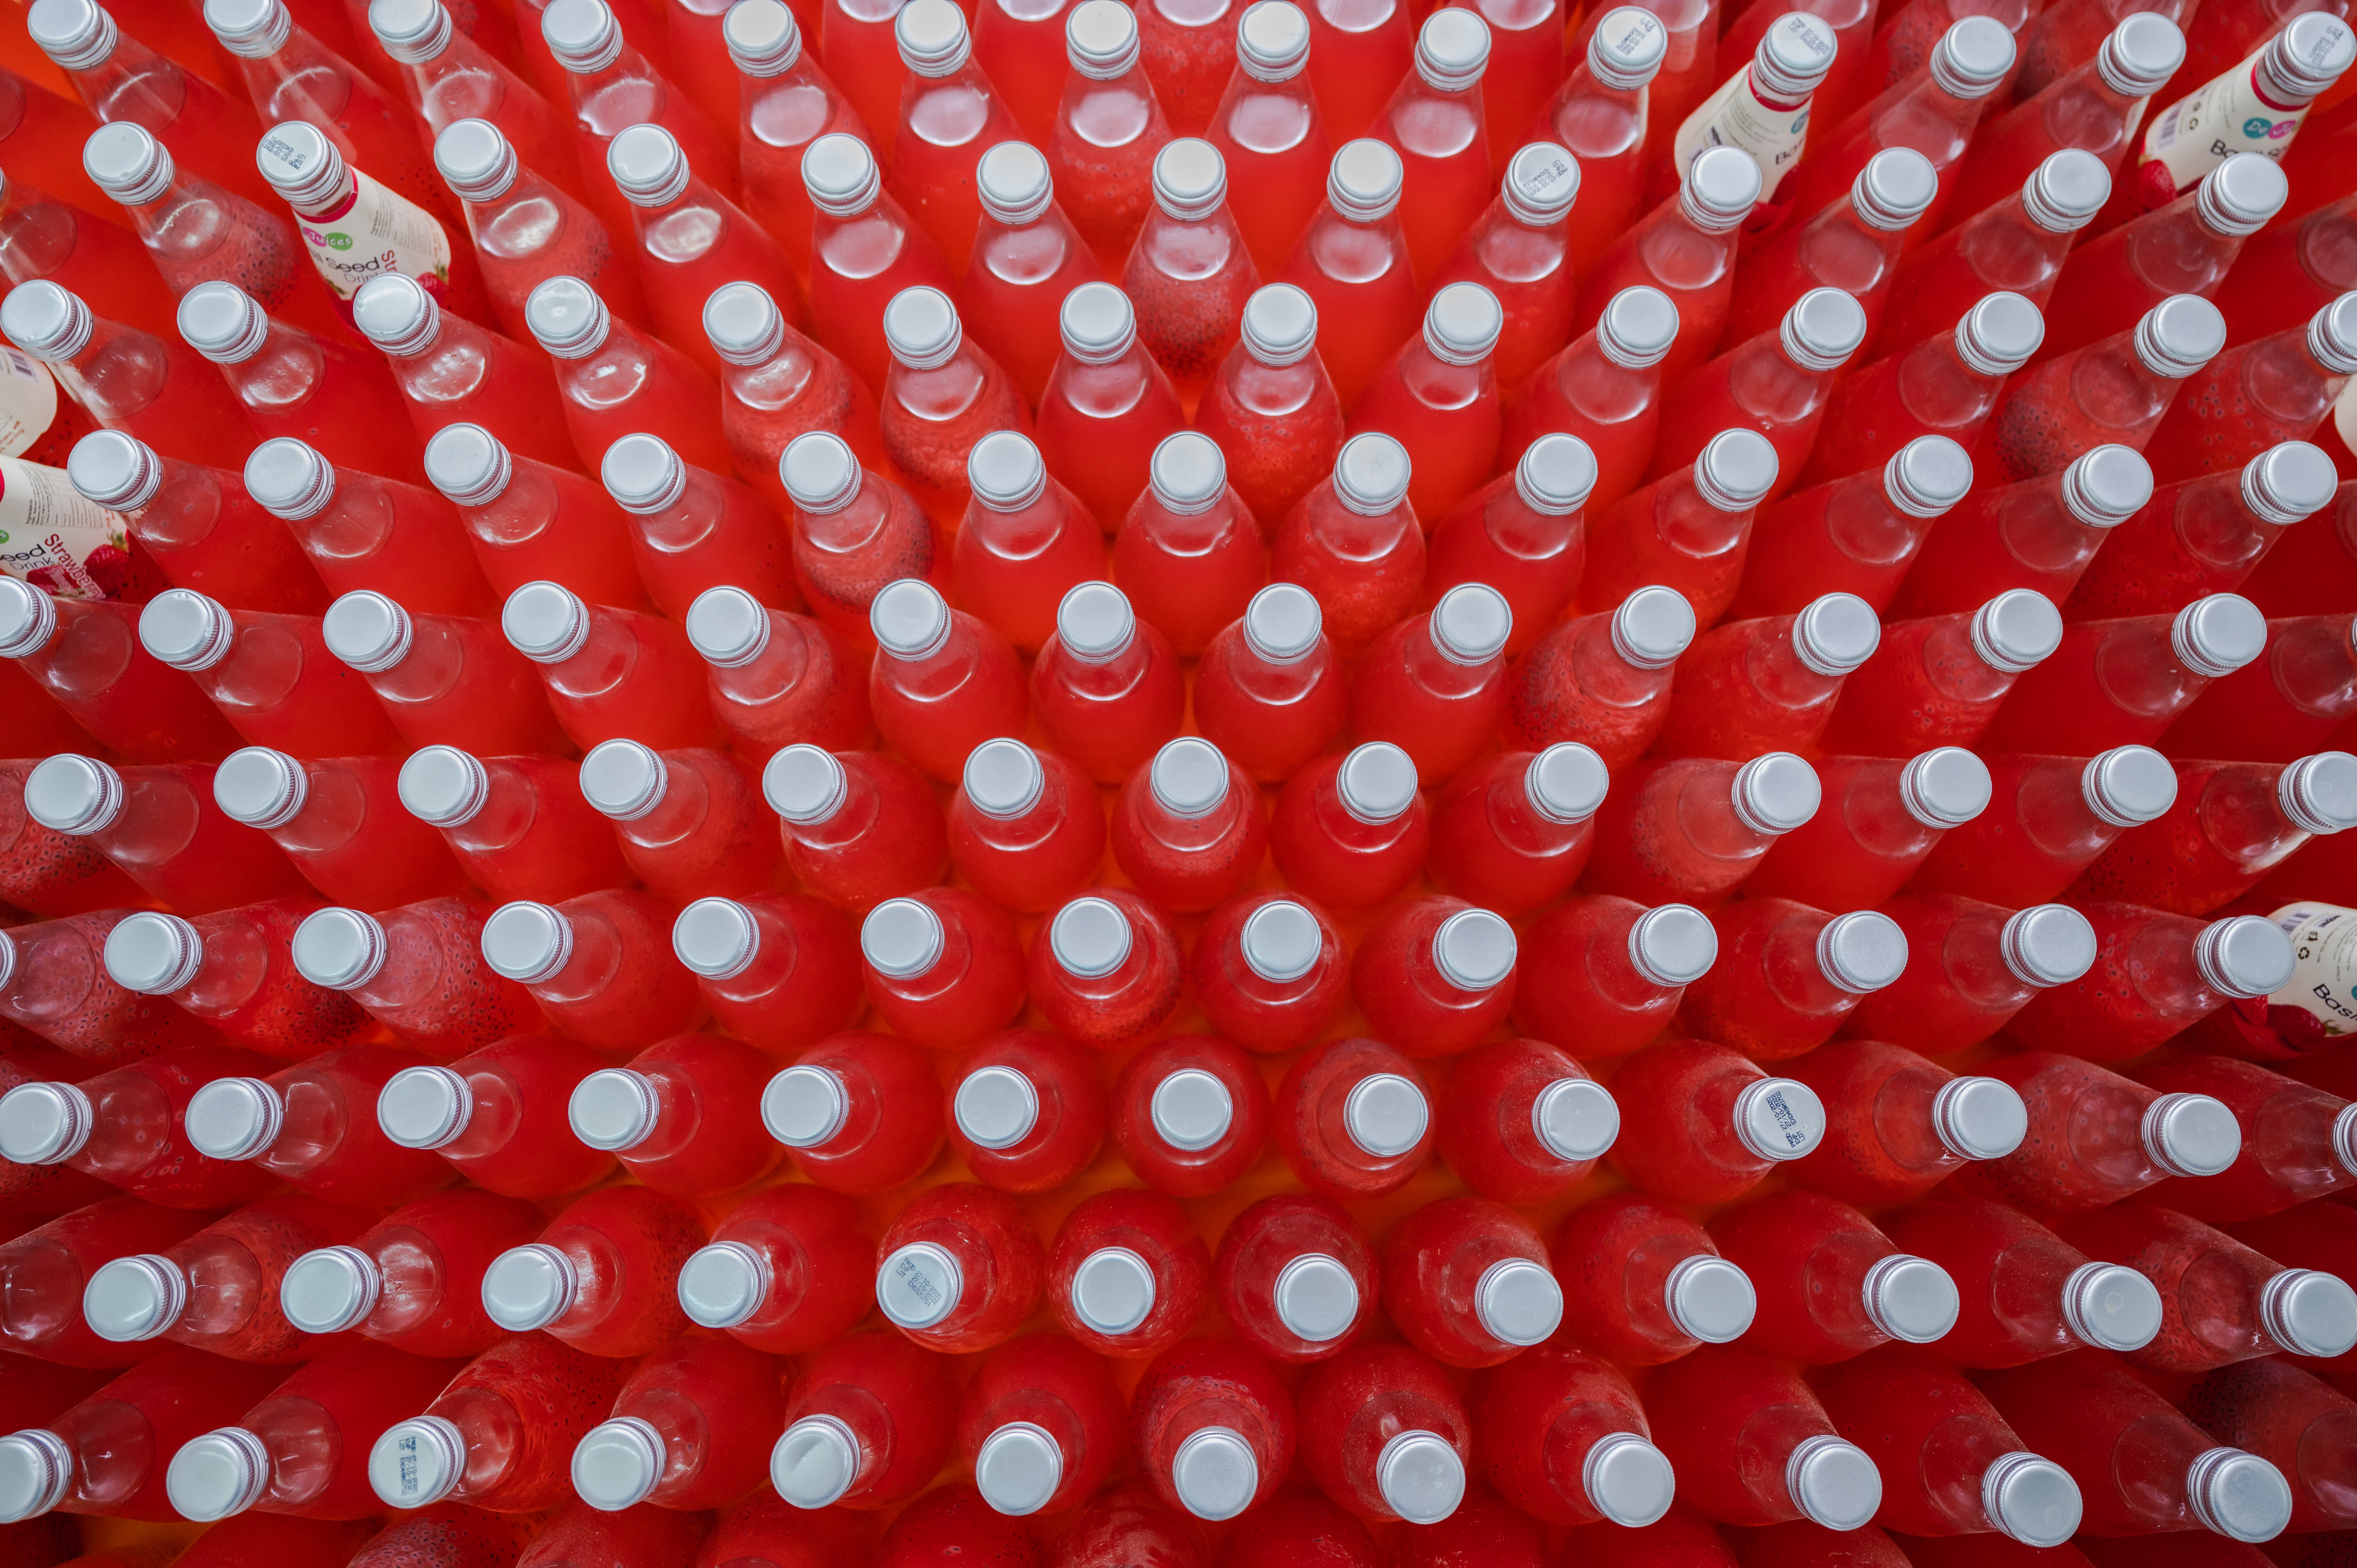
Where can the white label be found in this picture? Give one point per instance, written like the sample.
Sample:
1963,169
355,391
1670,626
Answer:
378,232
2324,964
1735,116
54,539
28,401
2195,135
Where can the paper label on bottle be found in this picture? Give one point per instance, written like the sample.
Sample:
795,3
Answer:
378,232
54,539
28,401
2195,135
2324,964
1735,116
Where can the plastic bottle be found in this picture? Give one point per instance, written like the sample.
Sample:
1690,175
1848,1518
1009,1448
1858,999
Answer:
2025,1293
1127,1276
601,1278
2280,708
107,1455
781,100
1651,844
2258,399
1562,1438
1106,968
85,654
778,970
859,827
499,1436
145,385
1272,410
1792,975
1777,383
1385,1434
1940,680
1189,552
776,679
341,824
864,251
2141,1467
2114,390
613,85
119,77
689,820
1353,1119
860,1113
1295,1278
517,824
191,229
1042,1423
1351,832
2293,1150
1027,1111
692,530
1190,273
962,1269
1686,248
1608,972
313,1125
361,532
1522,1122
2221,1301
53,982
869,1426
67,241
233,970
1108,405
2017,244
686,1429
269,673
525,229
1885,817
1024,543
1853,243
450,66
1436,120
1601,680
217,1290
295,78
1109,125
1355,543
410,1281
301,1451
1213,1427
1267,127
2089,93
159,826
2204,535
852,538
450,370
1026,258
1025,827
1465,1279
786,1273
1107,692
47,1265
2155,975
1434,974
2276,1411
1187,830
197,523
124,1128
2231,821
691,239
2185,247
1752,1445
1973,967
2050,817
609,672
684,1117
1700,1124
1831,1285
1190,1114
942,967
527,519
941,396
1689,531
499,1115
1269,689
598,964
1897,1125
2096,1137
616,379
1437,395
1946,385
1352,262
1523,535
1772,682
1513,833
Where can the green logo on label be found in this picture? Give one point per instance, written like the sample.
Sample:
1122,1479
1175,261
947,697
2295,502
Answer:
339,242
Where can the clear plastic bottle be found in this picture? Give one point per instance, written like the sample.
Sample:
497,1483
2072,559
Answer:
524,228
499,1115
526,520
1269,689
365,533
1042,1423
269,673
941,396
1355,543
1562,1438
2292,1151
1027,1111
1436,120
1272,409
1295,1277
779,970
1853,243
1215,1427
2026,1293
312,1125
417,970
1700,1124
1940,680
1830,1285
2050,817
2155,975
600,965
1686,248
1109,125
1467,1281
2114,390
612,86
855,532
1437,395
465,1447
1105,969
1946,385
870,1426
943,681
53,981
1608,972
1190,273
1385,1433
2035,534
1352,262
1973,966
860,826
1434,975
787,1272
1773,682
2120,682
1190,1114
686,1430
684,1117
962,1269
2205,535
1603,390
1021,45
1270,972
108,1453
447,73
1777,383
341,823
608,673
217,1290
123,1127
2277,388
1189,553
1267,127
1108,404
1127,1275
197,523
942,966
2096,1137
1107,692
1752,1445
1791,975
450,370
1520,250
1858,534
2276,1411
949,114
160,827
1689,531
1600,114
410,1280
776,385
1602,681
1187,831
1353,1119
1896,1125
1025,828
690,820
517,824
145,385
1521,1122
1436,684
616,379
599,1279
2017,244
1027,257
2232,822
1697,828
233,970
1351,832
2088,99
785,102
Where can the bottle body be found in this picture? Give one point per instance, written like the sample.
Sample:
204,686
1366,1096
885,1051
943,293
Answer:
1700,1124
1190,1114
499,1115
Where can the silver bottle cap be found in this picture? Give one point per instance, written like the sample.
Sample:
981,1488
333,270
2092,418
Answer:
1189,473
233,1118
1577,1119
1471,624
623,779
1474,951
2218,635
1971,57
1836,633
1736,470
1419,1473
2238,1495
762,36
1095,321
393,311
1006,472
582,34
1894,189
613,1110
819,472
1376,783
2292,480
920,325
2111,1307
2128,786
901,939
252,29
1793,56
1627,1480
728,628
1316,1298
1004,778
1518,1302
918,1285
131,1299
1101,39
616,1463
469,465
2319,793
330,1290
1385,1115
119,472
1628,47
546,622
412,31
1014,182
2311,54
44,1124
1565,783
424,1106
2243,956
1823,329
527,942
1365,181
1190,179
186,631
723,1286
1094,622
741,322
367,631
816,1461
2017,630
1272,40
1463,324
643,475
932,38
1187,777
1281,942
1777,792
2242,195
1282,624
804,784
154,953
1370,474
2309,1312
2141,54
530,1287
261,788
1113,1291
218,320
2331,335
1280,322
2191,1134
1672,944
1910,1299
1721,187
1999,333
474,160
1541,183
2179,335
1979,1117
2030,1498
1652,627
1018,1466
300,163
1945,786
418,1462
1452,50
339,949
1191,1110
69,793
77,34
565,314
1555,475
2047,944
805,1106
1779,1119
1833,1482
443,786
1861,952
125,160
2063,194
1214,1473
994,1107
841,175
1090,938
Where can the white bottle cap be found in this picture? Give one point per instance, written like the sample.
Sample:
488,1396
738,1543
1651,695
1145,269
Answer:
933,38
918,1285
28,619
1191,1110
1474,951
1113,1291
2030,1498
762,37
395,313
417,1463
1282,624
1793,56
1672,944
2242,195
474,160
920,325
1777,792
643,475
36,1471
1833,1482
1999,333
1314,1298
1013,180
2309,1312
1281,942
1971,57
367,631
565,314
1862,951
1420,1473
1188,472
1567,782
616,1463
469,465
2243,956
1101,39
1638,328
841,175
1214,1472
424,1106
1710,1299
2179,335
1090,938
1191,179
1273,41
1627,1480
582,34
804,784
261,788
814,1462
1541,183
1452,50
1365,181
2047,944
1575,1118
233,1118
1376,783
2128,786
186,631
1006,471
1188,777
1945,786
1555,475
1471,624
994,1107
77,34
2141,54
623,779
1385,1115
330,1290
153,953
1910,1299
1979,1117
1779,1118
546,622
1823,329
1094,622
1280,322
51,324
222,1473
2239,1496
613,1110
2017,630
2190,1136
1463,324
1018,1467
902,938
1095,323
1927,477
2319,793
1721,186
741,322
1004,778
1370,474
1518,1302
131,1299
728,628
1894,189
527,942
1652,627
530,1287
69,793
1836,634
723,1284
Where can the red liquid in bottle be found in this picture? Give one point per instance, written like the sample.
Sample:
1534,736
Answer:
313,1126
1939,681
686,1430
1352,262
154,388
218,1291
1776,382
1272,409
1562,1438
2291,1140
1435,974
779,970
693,530
448,680
85,655
684,1117
1770,682
53,981
124,1128
853,537
2203,536
1521,1122
1024,542
517,824
1355,544
1108,127
1269,689
1190,272
864,250
342,825
1700,1124
1524,531
198,525
1186,831
941,396
2289,1419
1437,685
2155,975
2279,708
1831,1285
600,966
1027,1111
1602,681
46,1267
1853,243
1026,258
204,126
943,967
1189,553
235,970
861,1113
1385,1434
869,1426
1466,1280
859,827
1513,833
1353,1119
943,681
1269,972
500,1436
1108,405
776,679
2231,821
959,1269
2113,390
450,369
601,1278
1884,818
1042,1423
688,820
412,1280
108,1453
2286,273
1022,45
1644,1283
787,1272
2089,93
2095,1138
1295,1277
781,100
499,1115
1106,970
949,114
364,533
1790,975
2026,1293
1896,1125
1268,129
2051,816
1689,532
609,672
160,827
447,1535
1607,972
1108,690
526,520
1695,829
1972,966
270,674
616,381
1686,248
1025,826
1351,832
1127,1275
1215,1428
1752,1446
1190,1114
525,230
